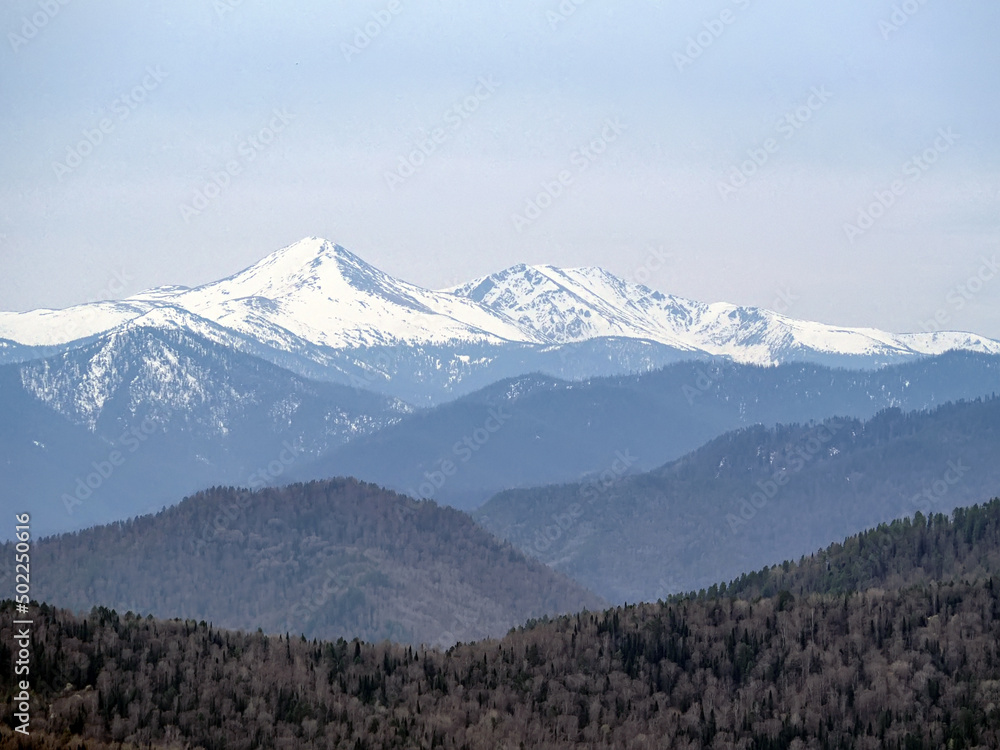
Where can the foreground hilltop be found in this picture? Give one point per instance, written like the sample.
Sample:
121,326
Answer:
917,667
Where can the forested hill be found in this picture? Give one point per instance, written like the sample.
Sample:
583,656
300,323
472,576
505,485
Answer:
965,545
911,664
910,670
328,559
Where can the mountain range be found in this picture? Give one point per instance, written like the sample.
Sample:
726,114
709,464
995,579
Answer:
313,363
536,430
137,419
614,444
318,309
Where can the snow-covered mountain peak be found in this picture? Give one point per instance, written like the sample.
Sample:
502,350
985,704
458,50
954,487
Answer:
326,295
592,282
314,296
575,304
310,265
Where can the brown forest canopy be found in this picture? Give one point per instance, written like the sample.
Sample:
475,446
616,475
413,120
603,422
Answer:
913,667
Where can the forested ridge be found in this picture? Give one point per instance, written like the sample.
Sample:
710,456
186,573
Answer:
568,431
328,559
907,551
910,668
753,497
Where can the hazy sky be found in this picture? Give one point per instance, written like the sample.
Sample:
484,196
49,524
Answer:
733,150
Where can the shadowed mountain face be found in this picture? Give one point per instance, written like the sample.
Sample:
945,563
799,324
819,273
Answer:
537,430
753,497
326,559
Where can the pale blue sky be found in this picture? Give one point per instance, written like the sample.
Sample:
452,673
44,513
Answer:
69,233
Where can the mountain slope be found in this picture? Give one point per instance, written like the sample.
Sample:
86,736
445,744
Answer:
142,416
581,303
753,497
217,378
313,289
536,430
326,559
906,552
